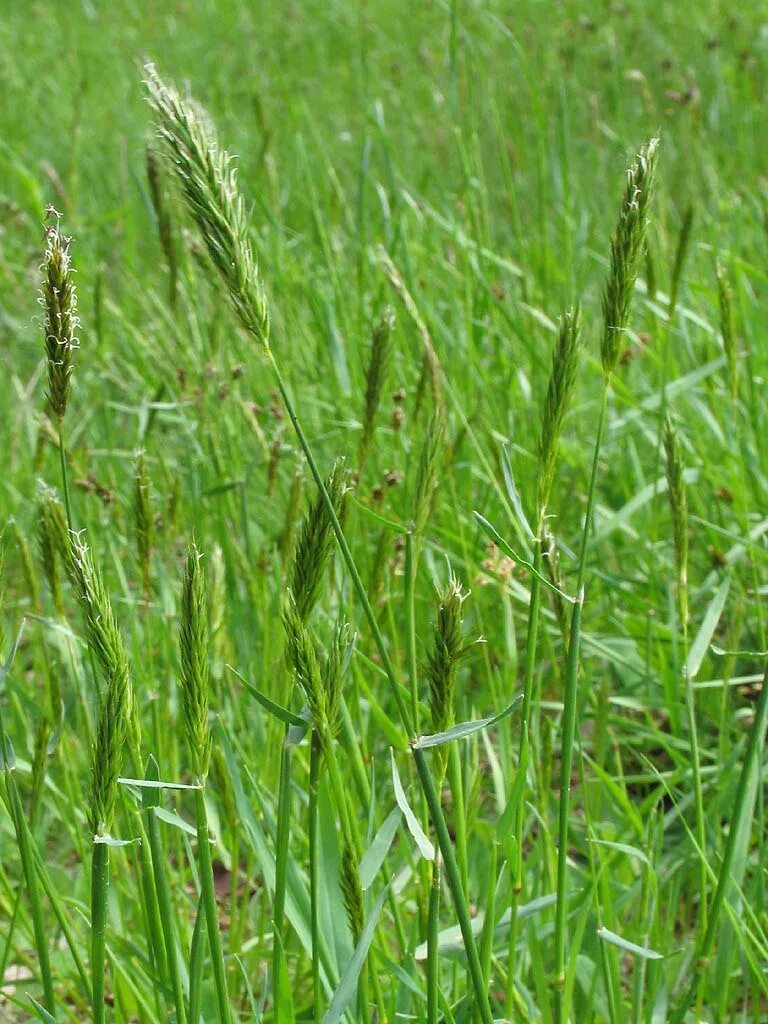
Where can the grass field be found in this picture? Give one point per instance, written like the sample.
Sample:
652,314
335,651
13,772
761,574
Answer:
396,532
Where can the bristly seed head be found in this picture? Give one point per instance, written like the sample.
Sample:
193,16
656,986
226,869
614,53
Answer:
118,712
627,247
208,181
195,670
376,375
562,378
59,300
448,648
315,543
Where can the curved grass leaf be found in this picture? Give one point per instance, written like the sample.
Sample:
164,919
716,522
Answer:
377,851
281,713
606,935
464,729
499,541
426,848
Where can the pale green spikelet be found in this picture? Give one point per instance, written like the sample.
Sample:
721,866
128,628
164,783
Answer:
352,892
376,376
427,475
301,655
562,378
207,178
315,543
106,643
195,671
727,333
627,247
448,648
142,519
678,502
60,322
331,671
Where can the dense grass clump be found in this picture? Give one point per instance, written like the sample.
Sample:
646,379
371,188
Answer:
383,555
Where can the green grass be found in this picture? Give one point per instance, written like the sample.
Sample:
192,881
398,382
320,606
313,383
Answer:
464,166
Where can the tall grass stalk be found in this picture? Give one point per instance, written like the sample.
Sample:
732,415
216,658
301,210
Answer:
207,182
626,251
678,502
194,648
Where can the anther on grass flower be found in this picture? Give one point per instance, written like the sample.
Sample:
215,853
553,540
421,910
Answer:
195,672
448,648
562,378
207,177
59,300
376,375
627,247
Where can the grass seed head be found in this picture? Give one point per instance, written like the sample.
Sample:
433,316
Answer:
142,518
315,544
352,892
301,655
627,247
195,672
448,648
376,375
562,378
59,300
207,179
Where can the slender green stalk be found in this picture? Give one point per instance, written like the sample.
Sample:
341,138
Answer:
196,964
315,761
99,893
195,678
679,506
433,946
454,882
570,703
167,917
208,894
64,475
281,875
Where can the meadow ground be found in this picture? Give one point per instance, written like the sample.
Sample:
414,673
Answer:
430,191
